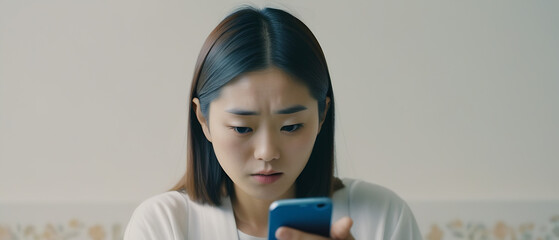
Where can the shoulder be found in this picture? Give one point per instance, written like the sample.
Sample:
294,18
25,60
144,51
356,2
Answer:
163,205
158,216
376,211
359,198
361,192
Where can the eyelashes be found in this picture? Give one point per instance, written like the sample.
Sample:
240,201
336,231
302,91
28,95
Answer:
288,128
292,128
242,130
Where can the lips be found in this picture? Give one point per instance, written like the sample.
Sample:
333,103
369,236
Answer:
266,177
266,172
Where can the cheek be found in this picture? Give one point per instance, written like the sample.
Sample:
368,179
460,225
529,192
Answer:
225,143
301,147
229,150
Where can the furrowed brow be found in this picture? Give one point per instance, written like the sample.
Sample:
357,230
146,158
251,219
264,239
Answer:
292,109
289,110
242,112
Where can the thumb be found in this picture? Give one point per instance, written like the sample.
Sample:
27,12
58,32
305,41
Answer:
340,229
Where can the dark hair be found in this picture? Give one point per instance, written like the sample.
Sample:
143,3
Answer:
249,40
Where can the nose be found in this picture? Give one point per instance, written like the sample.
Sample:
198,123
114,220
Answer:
266,147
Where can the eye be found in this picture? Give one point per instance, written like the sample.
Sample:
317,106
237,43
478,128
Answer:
242,130
292,128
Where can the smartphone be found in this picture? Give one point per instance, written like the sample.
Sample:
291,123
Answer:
312,215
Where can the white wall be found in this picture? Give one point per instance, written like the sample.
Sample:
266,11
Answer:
436,100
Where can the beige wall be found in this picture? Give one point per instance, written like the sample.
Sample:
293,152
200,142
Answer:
435,100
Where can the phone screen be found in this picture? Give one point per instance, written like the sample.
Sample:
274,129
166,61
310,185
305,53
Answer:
312,215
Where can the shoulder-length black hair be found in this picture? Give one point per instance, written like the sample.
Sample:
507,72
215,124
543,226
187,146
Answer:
245,41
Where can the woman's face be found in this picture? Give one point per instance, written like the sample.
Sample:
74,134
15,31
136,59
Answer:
262,127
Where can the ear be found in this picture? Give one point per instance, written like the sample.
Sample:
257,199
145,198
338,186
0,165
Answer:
323,117
201,118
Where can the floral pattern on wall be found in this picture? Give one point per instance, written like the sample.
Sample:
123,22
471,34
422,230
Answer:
458,229
74,229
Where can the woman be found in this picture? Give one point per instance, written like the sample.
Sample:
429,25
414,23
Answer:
261,128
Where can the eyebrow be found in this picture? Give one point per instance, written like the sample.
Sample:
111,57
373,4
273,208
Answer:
289,110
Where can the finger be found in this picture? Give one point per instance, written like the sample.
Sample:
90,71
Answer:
340,229
287,233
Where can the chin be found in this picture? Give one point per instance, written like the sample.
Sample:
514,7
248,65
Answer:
270,192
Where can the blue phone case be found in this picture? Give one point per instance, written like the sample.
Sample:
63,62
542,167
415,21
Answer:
311,215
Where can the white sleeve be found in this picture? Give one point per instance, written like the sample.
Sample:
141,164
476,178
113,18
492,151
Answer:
378,213
160,217
406,226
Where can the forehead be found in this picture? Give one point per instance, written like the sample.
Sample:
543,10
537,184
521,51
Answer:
271,87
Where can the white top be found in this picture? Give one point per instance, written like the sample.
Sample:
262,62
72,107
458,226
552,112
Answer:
377,213
244,236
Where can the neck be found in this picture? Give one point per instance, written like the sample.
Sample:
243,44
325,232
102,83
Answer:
251,214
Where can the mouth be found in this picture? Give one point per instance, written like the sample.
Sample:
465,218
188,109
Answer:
266,178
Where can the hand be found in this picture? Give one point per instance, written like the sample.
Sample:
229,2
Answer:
339,231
